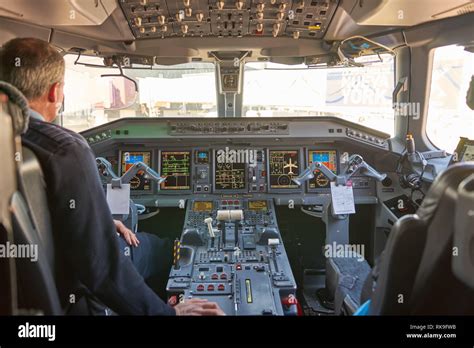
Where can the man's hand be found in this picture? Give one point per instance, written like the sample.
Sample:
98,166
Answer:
198,306
127,234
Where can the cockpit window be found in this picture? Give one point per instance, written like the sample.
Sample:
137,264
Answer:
180,90
358,94
448,115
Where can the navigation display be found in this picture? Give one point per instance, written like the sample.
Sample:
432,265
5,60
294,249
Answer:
176,166
128,158
229,176
329,159
284,165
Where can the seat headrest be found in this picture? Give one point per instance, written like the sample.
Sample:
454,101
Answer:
17,107
450,178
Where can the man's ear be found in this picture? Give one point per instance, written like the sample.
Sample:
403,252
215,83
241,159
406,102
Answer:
53,93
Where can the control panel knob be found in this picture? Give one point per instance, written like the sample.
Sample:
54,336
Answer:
138,21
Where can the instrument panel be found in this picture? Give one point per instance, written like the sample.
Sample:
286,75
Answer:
231,170
241,157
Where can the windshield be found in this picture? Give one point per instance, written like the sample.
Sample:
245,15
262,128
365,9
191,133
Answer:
360,94
180,90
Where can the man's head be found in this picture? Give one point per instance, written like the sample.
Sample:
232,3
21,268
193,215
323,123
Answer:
37,70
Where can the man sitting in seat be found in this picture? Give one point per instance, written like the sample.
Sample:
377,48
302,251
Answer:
89,259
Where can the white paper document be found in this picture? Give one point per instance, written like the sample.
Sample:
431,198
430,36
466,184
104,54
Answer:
342,198
118,199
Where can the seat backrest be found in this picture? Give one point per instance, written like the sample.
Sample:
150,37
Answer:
36,284
31,223
415,272
33,187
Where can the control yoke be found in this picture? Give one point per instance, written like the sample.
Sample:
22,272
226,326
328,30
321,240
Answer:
355,164
105,169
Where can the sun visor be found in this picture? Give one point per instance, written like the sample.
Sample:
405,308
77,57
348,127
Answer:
58,13
408,12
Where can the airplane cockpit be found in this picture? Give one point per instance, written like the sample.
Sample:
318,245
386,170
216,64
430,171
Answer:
301,157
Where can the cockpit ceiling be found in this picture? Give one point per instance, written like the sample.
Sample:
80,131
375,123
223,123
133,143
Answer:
177,31
229,18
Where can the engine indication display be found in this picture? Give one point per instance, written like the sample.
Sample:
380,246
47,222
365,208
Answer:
139,182
283,165
258,205
202,206
176,166
329,159
229,175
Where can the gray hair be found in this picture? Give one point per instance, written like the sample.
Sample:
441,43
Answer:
31,65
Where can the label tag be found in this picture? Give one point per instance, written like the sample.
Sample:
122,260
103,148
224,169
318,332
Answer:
342,198
118,199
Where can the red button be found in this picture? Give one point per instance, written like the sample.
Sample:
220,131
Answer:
223,276
236,202
221,287
238,267
214,276
200,287
210,287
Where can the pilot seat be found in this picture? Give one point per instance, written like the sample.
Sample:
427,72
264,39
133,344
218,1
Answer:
427,266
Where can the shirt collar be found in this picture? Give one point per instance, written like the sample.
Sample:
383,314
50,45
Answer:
36,115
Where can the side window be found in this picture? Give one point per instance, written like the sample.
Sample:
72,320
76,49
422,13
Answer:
448,115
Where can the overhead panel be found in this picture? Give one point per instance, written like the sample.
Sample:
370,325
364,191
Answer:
229,18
